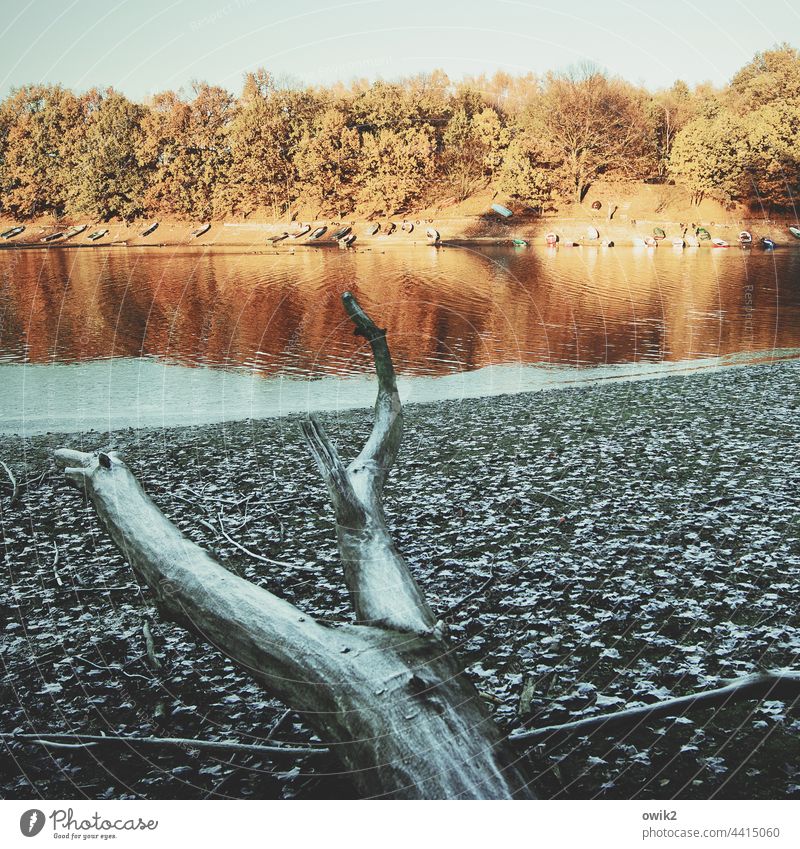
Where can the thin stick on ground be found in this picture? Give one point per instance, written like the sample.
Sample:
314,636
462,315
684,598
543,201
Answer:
85,740
780,685
14,487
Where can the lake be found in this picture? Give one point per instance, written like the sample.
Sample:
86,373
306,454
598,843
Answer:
110,338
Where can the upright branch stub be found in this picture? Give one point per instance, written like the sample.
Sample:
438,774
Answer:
378,455
382,589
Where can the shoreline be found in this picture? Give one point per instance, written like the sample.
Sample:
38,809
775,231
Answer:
461,231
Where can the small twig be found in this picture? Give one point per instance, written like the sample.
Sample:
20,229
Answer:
112,669
164,742
14,487
277,724
150,646
238,545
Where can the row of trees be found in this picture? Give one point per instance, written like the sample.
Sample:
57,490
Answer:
387,147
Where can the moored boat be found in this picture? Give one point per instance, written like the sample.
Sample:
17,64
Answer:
719,243
592,233
520,243
320,231
767,243
651,241
14,231
200,230
692,242
703,234
678,243
432,234
551,238
745,238
151,229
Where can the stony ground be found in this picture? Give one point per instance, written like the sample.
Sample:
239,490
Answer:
627,543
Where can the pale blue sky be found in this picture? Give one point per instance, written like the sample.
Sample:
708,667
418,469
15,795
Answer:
143,46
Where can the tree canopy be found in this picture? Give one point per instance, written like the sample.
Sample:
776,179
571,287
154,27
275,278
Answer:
393,146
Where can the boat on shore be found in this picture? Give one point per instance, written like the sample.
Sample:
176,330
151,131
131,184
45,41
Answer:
97,235
391,227
74,231
14,231
658,233
719,243
651,241
607,243
347,240
592,233
306,228
200,230
433,234
502,210
373,229
340,233
53,237
407,227
519,243
318,233
678,243
795,231
275,239
151,229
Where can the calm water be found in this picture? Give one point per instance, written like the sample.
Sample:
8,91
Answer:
96,338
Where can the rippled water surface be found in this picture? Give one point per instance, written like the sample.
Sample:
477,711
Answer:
169,335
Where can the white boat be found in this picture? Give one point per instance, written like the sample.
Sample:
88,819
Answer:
432,234
551,238
74,231
719,243
692,242
678,243
651,242
745,238
607,243
373,229
200,230
306,228
592,233
638,242
97,235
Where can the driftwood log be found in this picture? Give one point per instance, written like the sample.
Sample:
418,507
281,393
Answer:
387,695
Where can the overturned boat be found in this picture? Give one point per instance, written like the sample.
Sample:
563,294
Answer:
14,231
200,230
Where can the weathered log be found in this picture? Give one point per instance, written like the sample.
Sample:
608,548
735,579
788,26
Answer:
781,685
388,695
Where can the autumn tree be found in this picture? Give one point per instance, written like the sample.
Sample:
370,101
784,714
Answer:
327,162
526,173
396,166
107,179
773,75
262,137
668,113
186,151
472,150
595,126
709,157
40,123
773,154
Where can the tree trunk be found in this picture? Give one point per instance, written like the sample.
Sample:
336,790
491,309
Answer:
388,694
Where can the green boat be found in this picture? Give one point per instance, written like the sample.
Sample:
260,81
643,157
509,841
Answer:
659,233
520,243
703,234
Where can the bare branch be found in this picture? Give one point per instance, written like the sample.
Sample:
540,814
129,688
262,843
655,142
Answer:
81,741
783,685
381,448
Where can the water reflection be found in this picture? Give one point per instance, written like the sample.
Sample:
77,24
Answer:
447,310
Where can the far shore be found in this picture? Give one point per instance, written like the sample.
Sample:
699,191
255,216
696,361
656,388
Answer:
487,229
